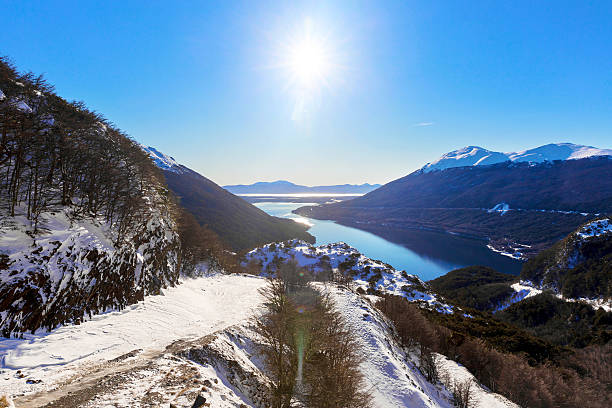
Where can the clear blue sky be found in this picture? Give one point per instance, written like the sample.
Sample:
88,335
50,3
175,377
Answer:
201,80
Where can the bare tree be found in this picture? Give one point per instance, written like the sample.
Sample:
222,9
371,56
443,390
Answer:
463,393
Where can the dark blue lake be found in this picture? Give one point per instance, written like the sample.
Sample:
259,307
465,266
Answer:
423,253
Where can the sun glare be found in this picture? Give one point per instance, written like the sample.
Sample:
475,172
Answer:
309,62
309,59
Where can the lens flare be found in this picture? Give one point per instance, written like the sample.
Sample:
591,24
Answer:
309,59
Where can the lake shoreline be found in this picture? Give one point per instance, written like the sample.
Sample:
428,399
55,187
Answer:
426,253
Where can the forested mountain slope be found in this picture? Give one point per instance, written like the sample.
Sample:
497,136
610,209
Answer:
579,266
509,203
86,221
240,224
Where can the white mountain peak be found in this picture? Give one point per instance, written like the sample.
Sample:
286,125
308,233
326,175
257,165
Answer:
478,156
163,161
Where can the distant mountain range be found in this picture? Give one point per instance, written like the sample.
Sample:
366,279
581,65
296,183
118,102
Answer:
519,202
239,224
478,156
286,187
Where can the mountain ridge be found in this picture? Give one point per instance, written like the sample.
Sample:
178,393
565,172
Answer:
287,187
539,203
478,156
238,223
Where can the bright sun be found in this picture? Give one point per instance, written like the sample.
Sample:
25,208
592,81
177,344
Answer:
308,58
309,62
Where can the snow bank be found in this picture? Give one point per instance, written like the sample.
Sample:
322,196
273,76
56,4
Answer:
193,309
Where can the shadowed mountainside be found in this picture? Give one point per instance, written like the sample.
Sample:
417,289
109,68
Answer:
540,204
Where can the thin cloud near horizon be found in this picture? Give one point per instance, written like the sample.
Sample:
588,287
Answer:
421,124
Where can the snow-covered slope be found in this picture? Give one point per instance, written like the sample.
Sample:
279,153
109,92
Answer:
466,156
394,379
596,228
163,161
332,259
478,156
76,267
197,307
558,151
197,339
391,371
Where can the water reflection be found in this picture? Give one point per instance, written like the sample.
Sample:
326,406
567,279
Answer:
424,253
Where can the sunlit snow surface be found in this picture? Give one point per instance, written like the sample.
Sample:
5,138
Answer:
366,272
161,160
596,228
478,156
192,309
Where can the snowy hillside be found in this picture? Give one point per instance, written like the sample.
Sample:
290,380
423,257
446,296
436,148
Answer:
121,356
327,261
392,371
596,228
77,267
478,156
87,224
577,267
197,340
162,161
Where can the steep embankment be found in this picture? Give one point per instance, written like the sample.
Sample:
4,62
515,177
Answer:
87,223
521,207
132,357
240,224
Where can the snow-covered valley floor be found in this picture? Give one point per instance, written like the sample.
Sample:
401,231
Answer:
196,308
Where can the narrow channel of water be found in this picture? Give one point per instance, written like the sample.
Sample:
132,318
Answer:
423,253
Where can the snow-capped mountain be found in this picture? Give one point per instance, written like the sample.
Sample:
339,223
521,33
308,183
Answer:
238,223
528,200
478,156
163,161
